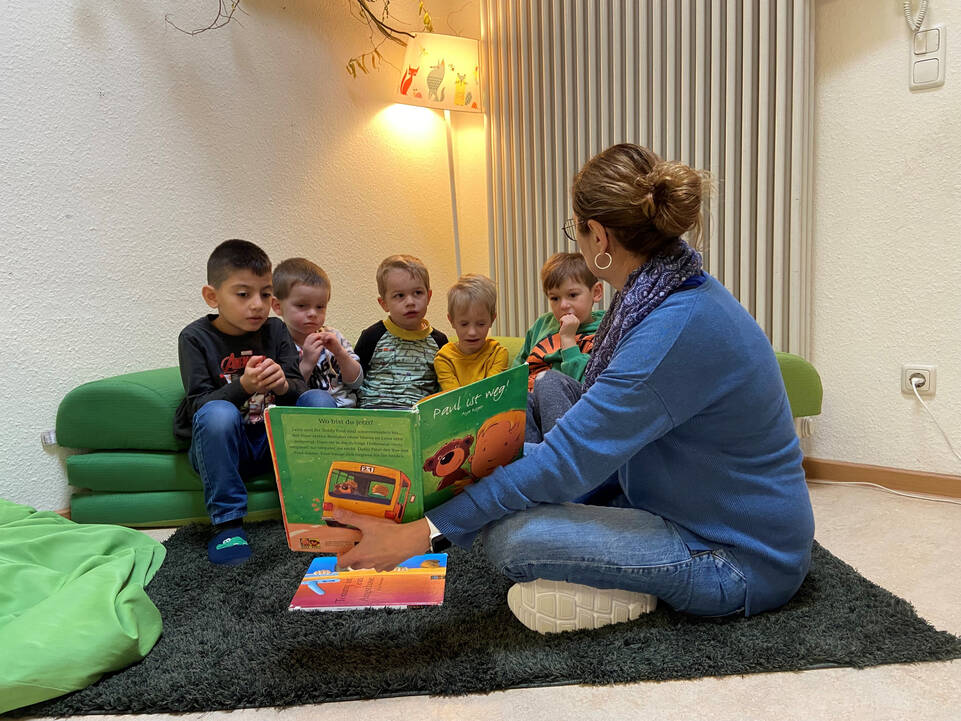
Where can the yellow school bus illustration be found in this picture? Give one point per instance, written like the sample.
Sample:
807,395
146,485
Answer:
372,490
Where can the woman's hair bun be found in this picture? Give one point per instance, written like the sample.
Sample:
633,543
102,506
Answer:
645,202
670,197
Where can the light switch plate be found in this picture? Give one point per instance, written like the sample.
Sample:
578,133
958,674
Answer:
926,58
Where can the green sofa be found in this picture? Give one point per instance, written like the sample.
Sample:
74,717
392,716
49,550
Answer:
136,472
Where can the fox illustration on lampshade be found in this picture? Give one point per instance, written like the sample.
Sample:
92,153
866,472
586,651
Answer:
441,71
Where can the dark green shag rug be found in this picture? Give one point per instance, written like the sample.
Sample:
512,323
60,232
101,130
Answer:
230,642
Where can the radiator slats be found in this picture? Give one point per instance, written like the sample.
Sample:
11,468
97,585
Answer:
723,85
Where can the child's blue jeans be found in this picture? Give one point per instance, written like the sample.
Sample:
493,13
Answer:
224,450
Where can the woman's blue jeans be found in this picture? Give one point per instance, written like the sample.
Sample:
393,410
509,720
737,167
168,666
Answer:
601,541
224,450
612,547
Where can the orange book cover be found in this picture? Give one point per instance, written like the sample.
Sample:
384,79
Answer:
418,581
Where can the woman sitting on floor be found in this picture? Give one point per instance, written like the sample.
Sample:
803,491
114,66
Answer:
681,436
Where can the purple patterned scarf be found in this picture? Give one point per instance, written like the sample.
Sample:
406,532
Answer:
645,289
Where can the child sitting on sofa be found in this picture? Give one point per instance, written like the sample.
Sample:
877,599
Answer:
397,353
558,346
233,364
327,362
471,309
562,338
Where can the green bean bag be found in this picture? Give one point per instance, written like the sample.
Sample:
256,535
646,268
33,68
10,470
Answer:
72,603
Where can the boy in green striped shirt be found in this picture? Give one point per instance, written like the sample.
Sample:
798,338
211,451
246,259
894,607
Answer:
397,353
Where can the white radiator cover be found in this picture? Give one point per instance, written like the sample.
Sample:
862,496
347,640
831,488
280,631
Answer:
722,85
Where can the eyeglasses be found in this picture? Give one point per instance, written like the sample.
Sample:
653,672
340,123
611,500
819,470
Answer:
570,228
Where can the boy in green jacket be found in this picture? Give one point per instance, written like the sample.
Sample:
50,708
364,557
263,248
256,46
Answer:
562,339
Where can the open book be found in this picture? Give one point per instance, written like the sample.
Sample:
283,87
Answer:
418,581
393,464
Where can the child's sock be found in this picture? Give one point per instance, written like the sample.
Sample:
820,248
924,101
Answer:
229,545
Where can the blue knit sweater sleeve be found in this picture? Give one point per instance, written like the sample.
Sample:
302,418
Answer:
619,415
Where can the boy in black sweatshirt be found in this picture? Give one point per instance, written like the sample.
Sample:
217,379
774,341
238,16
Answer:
233,365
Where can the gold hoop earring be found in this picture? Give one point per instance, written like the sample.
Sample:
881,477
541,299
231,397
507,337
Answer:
609,261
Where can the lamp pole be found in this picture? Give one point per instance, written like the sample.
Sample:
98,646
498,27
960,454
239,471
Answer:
453,191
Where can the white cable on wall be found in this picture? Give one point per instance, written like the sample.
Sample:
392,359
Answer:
914,386
915,22
915,382
906,494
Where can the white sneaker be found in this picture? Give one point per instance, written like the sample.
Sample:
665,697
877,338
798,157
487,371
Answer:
554,606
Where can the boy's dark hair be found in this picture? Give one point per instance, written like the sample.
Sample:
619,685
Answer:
566,266
233,255
292,271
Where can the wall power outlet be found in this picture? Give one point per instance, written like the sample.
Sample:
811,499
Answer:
927,373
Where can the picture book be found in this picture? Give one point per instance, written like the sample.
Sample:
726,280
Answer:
393,464
418,581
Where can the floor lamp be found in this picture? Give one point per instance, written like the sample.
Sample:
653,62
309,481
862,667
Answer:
443,72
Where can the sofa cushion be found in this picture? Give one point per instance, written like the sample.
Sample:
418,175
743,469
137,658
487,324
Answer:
162,508
135,410
132,471
803,385
513,344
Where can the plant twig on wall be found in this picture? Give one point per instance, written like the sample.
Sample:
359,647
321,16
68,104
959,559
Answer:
225,14
364,62
374,24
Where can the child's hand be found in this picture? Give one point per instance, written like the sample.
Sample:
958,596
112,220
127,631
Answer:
569,325
349,368
331,342
313,346
272,377
262,374
250,379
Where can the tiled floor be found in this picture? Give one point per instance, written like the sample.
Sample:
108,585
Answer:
907,546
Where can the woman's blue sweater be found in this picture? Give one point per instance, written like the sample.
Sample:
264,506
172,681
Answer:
692,416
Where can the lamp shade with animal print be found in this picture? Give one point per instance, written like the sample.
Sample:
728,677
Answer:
441,71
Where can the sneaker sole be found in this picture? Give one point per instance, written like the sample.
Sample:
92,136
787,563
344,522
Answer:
554,606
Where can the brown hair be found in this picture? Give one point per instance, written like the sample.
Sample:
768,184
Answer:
647,203
409,263
566,266
472,288
292,271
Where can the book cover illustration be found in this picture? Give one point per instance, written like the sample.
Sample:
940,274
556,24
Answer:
418,581
392,464
468,432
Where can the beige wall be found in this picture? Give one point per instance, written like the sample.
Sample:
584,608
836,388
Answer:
129,149
887,237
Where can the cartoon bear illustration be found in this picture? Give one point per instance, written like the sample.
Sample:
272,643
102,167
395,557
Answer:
498,442
447,461
347,488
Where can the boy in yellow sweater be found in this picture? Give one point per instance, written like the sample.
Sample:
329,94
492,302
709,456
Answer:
471,309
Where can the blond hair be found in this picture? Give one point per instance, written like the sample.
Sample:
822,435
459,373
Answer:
292,271
647,203
469,289
407,263
566,266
